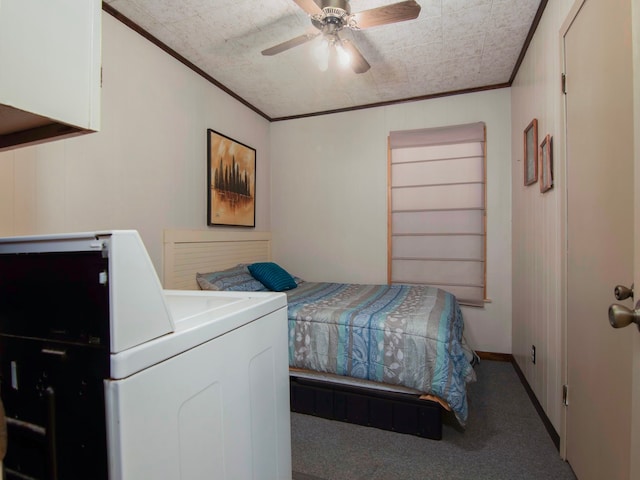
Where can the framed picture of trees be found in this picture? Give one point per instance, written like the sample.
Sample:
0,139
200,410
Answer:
231,182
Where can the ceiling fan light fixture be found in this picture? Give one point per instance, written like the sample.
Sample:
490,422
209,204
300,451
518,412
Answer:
344,58
321,52
329,17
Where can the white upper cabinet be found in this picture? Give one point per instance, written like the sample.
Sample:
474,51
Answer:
50,60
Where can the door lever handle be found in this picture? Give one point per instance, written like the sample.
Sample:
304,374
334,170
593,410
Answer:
621,292
621,316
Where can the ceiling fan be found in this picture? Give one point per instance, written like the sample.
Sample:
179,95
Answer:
329,17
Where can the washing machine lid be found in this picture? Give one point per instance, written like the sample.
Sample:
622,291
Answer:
199,317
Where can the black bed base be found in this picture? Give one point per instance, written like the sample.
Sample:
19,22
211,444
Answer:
396,412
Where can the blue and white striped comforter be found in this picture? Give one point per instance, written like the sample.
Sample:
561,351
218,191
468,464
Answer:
404,335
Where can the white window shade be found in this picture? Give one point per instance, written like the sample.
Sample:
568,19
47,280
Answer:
453,273
436,221
441,246
460,170
438,197
437,209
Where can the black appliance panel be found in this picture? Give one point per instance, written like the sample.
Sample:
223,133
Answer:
60,296
54,357
54,401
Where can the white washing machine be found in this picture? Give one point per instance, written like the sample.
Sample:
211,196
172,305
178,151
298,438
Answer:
176,385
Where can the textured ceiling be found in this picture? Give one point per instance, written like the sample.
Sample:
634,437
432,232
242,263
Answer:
452,45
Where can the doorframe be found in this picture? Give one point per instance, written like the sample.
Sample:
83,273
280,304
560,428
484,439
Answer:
562,183
635,387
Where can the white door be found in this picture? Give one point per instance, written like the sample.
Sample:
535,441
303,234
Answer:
600,238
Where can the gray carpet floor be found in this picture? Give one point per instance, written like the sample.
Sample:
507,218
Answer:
504,439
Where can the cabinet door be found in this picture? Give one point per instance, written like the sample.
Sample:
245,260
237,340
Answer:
50,57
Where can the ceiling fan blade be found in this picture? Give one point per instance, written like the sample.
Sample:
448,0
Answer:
358,62
294,42
396,12
309,6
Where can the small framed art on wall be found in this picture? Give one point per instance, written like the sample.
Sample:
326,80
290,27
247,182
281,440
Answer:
531,153
546,164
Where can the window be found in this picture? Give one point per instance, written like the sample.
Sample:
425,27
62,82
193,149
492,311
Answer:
437,216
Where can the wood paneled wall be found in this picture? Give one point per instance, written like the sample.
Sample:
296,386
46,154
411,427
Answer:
537,227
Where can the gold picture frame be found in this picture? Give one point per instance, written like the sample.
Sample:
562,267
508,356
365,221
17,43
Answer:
531,153
231,182
546,164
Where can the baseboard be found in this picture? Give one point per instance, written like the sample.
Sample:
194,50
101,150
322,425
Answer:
497,357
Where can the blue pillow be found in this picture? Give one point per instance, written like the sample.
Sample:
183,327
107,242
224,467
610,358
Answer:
272,276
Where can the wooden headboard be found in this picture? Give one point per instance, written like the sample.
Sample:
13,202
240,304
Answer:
187,252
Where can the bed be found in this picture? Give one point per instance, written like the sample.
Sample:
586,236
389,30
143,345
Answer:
387,356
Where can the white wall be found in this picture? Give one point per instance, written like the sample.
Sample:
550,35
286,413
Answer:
329,197
324,196
146,168
537,228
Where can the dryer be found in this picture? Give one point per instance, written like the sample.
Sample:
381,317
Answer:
106,375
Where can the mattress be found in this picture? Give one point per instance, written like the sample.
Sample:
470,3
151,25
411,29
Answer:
409,336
